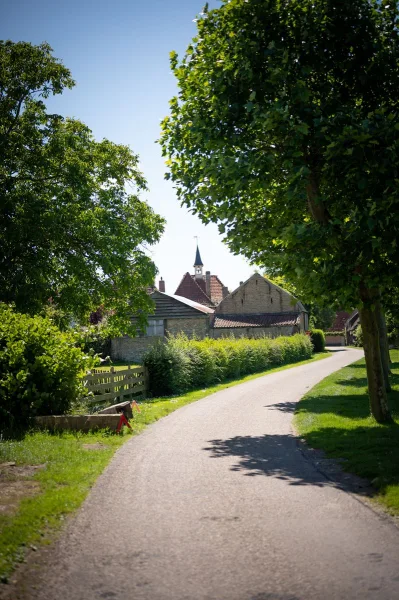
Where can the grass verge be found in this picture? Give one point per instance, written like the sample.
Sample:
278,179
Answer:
71,462
335,417
69,470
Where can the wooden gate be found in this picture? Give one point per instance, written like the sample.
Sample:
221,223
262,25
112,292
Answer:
109,385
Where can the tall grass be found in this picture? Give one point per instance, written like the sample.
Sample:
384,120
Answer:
182,364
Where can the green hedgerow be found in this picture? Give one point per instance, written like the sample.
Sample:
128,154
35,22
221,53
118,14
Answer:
358,337
181,364
40,368
318,340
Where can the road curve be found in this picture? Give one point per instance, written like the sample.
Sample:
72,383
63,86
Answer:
217,502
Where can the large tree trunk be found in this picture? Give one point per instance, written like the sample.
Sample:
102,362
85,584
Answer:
316,207
384,347
371,341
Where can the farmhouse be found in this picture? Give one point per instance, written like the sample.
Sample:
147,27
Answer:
259,307
202,306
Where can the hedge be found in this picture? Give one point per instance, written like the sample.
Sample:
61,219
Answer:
181,364
318,340
40,369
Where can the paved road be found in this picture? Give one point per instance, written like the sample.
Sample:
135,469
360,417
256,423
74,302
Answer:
217,502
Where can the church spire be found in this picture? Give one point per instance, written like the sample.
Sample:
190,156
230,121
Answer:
198,261
198,264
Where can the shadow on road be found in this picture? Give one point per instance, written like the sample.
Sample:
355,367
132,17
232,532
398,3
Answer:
287,407
279,456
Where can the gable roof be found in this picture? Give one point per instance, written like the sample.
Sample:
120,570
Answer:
196,305
297,306
189,288
168,306
216,288
340,319
253,320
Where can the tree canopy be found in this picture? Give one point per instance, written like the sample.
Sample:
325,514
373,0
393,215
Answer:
73,229
285,132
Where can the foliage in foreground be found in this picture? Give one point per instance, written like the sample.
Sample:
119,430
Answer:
72,224
40,368
335,417
285,133
181,364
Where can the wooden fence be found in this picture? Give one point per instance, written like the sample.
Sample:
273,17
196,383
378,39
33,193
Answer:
108,385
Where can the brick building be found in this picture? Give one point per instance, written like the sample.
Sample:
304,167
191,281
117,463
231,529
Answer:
259,307
202,306
172,314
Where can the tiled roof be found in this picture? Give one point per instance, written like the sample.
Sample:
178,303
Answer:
189,288
196,305
341,318
263,320
216,288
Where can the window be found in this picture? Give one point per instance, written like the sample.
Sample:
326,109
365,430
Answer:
155,327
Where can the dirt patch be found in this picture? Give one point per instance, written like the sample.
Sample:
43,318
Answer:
16,484
96,446
10,471
12,492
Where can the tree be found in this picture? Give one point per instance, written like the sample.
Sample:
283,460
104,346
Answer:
286,132
70,232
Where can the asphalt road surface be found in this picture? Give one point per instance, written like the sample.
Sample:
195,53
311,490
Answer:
217,502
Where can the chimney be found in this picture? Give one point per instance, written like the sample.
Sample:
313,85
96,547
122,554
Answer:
241,282
225,292
208,283
161,285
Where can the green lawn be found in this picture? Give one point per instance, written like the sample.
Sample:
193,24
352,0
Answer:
69,465
335,417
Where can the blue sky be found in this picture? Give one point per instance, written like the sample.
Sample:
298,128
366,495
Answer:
118,53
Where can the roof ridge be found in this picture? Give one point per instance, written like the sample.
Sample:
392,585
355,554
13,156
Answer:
190,278
202,291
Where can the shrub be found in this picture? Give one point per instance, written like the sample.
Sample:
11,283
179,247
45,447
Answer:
180,364
94,340
318,340
40,368
168,367
358,336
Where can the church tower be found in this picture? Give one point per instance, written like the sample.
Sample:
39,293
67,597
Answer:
198,265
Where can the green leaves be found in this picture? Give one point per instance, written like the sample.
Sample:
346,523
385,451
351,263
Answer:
69,229
287,116
40,368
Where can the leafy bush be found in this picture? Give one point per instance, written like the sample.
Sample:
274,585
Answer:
168,367
180,364
392,321
318,340
94,340
40,368
358,336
